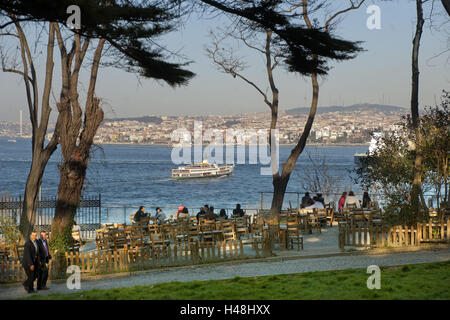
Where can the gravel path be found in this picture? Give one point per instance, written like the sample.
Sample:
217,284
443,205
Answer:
208,272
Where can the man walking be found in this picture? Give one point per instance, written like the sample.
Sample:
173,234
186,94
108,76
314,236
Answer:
44,257
30,262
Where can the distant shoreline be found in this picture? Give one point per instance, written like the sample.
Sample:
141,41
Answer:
281,144
165,145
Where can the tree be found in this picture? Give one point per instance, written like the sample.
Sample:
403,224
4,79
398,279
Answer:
300,55
129,28
391,166
41,153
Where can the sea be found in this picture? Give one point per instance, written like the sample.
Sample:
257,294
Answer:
134,175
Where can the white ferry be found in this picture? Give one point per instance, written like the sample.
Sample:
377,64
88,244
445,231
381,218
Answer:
359,157
202,170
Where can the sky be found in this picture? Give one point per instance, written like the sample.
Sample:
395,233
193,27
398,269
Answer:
380,75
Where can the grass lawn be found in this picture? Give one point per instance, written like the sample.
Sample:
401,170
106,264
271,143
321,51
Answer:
420,281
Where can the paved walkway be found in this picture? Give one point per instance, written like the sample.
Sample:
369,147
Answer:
224,271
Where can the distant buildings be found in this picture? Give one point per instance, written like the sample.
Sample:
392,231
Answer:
328,128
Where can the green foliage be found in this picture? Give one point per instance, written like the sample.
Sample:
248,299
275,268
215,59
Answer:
10,230
130,27
391,167
60,242
401,282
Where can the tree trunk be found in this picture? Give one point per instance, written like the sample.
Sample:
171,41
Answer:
77,138
279,189
40,154
280,182
72,174
418,162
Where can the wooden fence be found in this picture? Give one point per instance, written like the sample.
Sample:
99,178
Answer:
364,234
133,259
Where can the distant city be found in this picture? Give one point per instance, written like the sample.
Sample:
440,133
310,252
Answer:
332,125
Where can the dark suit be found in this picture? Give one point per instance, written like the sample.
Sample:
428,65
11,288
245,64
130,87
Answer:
44,257
30,258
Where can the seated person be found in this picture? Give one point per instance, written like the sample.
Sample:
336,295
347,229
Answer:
367,202
182,212
223,214
76,231
210,215
201,213
238,212
313,205
160,216
305,200
341,202
352,200
140,214
320,198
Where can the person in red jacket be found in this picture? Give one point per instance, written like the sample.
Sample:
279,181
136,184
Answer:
341,202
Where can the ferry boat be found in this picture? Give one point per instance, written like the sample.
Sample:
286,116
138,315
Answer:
359,157
202,170
12,140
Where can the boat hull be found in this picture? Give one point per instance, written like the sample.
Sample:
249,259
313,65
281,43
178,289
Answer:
194,173
359,158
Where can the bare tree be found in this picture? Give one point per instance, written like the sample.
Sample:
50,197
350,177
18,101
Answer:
41,153
234,66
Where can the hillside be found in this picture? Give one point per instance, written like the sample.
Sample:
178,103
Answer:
351,109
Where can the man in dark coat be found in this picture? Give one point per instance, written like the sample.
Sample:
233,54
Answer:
30,262
140,214
44,257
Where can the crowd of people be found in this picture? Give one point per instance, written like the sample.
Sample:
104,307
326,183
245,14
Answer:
350,200
205,212
345,201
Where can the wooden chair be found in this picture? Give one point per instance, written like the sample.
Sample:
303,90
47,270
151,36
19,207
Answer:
207,229
257,234
194,234
119,238
322,215
241,227
75,241
158,240
4,251
229,232
314,223
293,233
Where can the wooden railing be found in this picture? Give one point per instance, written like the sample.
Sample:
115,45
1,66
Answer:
366,234
133,259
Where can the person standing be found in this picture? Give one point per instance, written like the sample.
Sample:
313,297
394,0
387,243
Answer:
44,257
30,262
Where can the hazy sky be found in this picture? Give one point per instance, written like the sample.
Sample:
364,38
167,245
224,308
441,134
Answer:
382,74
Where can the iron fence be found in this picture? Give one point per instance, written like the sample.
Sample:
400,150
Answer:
88,215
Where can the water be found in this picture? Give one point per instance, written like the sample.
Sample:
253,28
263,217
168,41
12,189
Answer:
127,175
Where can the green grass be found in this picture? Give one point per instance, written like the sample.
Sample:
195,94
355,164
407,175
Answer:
420,281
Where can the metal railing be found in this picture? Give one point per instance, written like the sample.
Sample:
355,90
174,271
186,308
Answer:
122,214
293,199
